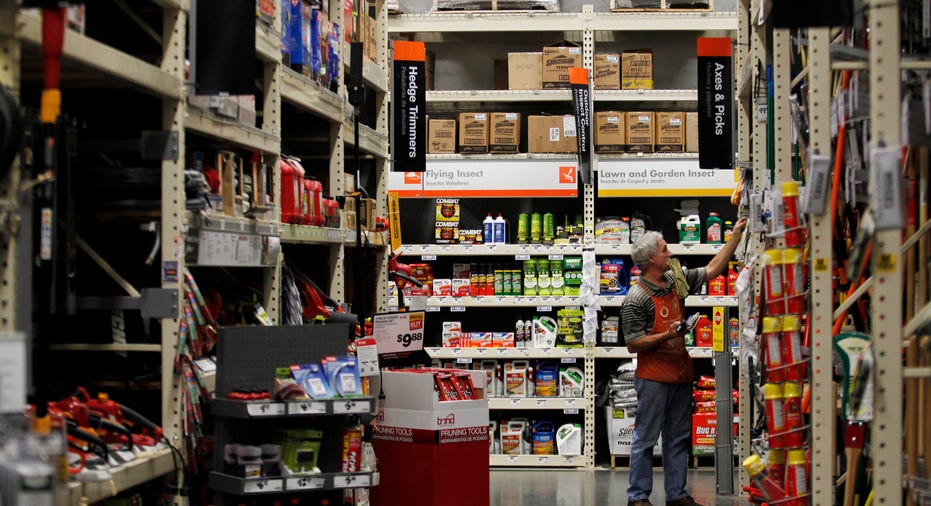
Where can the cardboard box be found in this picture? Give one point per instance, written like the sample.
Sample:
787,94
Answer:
416,391
607,72
349,184
557,60
637,70
525,71
247,114
367,214
691,132
473,132
441,136
447,232
505,132
610,132
640,132
551,134
669,135
501,75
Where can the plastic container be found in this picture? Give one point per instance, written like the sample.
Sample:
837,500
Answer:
733,331
704,333
635,273
557,278
775,414
549,228
546,380
523,228
757,470
796,369
291,192
536,228
773,281
488,229
717,286
772,339
316,216
796,478
690,229
569,440
500,230
794,282
530,278
792,404
793,234
249,461
544,438
639,223
714,233
728,230
732,276
776,467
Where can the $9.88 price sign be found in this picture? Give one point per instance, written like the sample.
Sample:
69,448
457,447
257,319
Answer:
399,332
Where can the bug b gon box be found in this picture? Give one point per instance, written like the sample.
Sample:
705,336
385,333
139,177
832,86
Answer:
432,438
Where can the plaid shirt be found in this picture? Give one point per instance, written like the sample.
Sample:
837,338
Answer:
638,310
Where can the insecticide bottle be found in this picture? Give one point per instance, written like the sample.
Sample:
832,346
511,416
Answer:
713,226
549,228
536,228
500,229
639,223
488,225
523,228
728,230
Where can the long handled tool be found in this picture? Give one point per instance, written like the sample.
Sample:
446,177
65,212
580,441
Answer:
852,348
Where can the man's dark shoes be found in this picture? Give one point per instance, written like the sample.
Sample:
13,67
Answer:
641,502
684,501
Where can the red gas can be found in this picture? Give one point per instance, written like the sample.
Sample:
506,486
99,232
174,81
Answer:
315,215
292,175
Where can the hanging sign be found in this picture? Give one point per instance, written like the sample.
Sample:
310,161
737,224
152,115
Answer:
409,136
582,105
715,103
545,177
398,334
661,178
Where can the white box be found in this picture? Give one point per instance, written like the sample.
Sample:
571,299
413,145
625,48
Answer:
453,418
416,391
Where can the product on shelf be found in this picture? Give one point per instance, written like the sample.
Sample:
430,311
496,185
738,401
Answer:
690,229
441,136
473,132
512,437
515,378
546,379
569,440
545,332
558,58
691,132
670,132
525,71
610,132
504,136
637,70
572,273
639,132
300,450
714,232
614,279
551,134
569,330
607,75
544,438
610,331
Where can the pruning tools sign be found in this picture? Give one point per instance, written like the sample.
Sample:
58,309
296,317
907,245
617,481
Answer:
399,333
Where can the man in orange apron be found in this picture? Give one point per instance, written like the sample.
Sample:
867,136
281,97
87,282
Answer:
651,314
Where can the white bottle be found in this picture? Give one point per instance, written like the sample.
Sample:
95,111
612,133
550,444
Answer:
500,229
488,229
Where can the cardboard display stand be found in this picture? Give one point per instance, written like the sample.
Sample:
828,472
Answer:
430,451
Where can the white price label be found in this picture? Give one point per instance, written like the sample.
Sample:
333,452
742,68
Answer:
544,309
399,332
521,257
568,360
433,309
426,258
541,403
463,360
512,459
457,309
570,402
543,460
256,486
570,411
516,402
349,406
608,351
266,409
306,408
305,483
367,354
481,351
500,300
352,481
206,364
544,351
555,257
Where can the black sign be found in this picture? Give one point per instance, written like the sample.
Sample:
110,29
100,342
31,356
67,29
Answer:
582,105
409,139
715,103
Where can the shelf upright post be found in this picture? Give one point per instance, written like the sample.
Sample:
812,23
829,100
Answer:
337,177
381,100
15,289
174,34
886,310
271,124
782,140
588,196
823,446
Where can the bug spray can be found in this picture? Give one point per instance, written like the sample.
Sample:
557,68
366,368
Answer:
549,228
536,228
523,228
775,414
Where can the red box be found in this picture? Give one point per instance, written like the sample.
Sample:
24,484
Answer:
704,430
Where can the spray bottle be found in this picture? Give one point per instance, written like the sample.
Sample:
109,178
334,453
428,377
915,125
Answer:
488,234
500,230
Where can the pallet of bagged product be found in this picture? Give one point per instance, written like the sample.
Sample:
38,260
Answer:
661,5
495,5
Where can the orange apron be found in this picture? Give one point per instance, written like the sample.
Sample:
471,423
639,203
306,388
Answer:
669,362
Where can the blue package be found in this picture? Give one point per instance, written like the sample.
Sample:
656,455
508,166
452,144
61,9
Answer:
332,67
343,375
313,380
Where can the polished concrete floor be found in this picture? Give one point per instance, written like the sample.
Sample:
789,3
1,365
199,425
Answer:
593,488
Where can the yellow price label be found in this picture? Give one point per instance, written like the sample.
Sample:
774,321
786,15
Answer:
822,265
887,262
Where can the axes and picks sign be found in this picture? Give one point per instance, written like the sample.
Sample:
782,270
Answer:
582,105
409,139
715,103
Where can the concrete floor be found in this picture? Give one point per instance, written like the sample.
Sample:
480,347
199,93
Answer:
511,487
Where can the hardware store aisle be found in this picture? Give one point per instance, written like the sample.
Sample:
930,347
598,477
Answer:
596,488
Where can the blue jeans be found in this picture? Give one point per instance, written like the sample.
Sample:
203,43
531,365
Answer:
660,407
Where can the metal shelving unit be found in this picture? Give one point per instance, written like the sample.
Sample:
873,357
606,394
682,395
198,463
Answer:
497,460
125,477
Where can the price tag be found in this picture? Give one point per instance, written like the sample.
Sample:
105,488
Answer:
500,300
426,258
350,406
457,309
543,460
608,351
206,365
555,257
433,309
568,360
305,483
570,402
569,411
399,332
515,402
256,486
512,459
544,351
367,354
541,403
544,309
463,360
491,247
266,409
481,351
521,257
352,481
306,408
